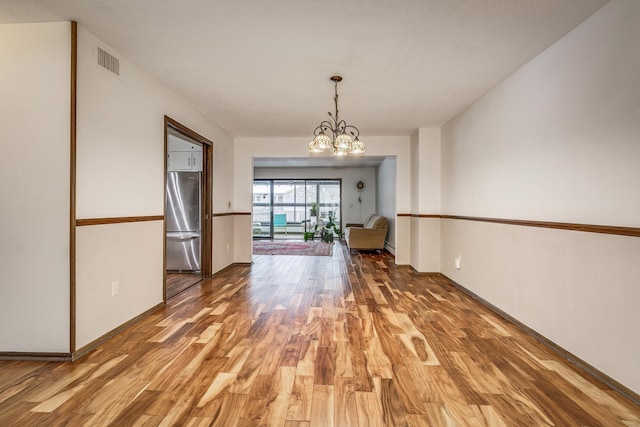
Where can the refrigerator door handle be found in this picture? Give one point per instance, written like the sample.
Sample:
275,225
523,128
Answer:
182,237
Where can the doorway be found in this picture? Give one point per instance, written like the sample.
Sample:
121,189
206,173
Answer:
187,225
287,208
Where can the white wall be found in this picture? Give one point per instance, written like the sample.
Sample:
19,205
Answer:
557,141
34,187
352,210
127,253
386,198
414,224
425,199
120,172
224,238
248,148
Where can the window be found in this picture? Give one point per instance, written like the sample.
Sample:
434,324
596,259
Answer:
298,200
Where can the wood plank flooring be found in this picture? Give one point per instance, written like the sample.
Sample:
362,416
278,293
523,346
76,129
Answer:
346,340
178,282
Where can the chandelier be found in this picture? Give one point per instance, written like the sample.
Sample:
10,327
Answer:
336,134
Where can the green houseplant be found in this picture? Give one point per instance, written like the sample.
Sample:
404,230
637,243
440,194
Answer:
309,235
313,210
327,234
330,230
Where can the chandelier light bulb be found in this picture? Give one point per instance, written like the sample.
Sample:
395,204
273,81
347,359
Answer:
314,147
343,141
357,146
337,151
322,141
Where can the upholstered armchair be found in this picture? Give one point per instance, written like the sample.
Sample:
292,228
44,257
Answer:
371,235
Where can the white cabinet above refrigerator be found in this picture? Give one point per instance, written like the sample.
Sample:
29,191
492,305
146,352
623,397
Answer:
184,161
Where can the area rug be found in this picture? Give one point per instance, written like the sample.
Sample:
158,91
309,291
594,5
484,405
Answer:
310,248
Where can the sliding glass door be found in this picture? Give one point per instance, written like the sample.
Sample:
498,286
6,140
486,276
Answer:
261,215
324,197
288,208
285,209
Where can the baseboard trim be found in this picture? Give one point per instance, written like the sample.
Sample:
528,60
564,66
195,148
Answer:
36,356
70,357
428,273
389,248
95,343
559,350
233,264
222,270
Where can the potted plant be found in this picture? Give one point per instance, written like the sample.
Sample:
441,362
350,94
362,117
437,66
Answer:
310,234
337,231
332,225
330,230
327,235
313,211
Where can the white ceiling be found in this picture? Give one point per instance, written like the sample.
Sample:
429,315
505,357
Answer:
262,68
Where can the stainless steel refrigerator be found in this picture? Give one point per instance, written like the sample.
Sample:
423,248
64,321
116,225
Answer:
183,221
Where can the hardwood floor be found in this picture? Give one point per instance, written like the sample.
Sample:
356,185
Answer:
346,340
178,282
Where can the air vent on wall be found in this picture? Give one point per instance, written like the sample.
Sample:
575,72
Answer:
108,61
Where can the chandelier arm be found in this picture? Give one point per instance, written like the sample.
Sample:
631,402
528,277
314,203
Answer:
324,124
342,125
334,119
357,131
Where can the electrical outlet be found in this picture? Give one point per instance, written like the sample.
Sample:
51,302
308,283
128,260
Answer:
228,246
458,262
114,289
